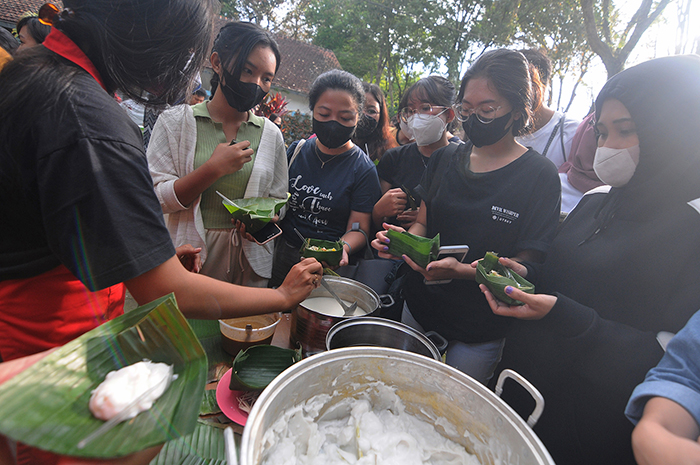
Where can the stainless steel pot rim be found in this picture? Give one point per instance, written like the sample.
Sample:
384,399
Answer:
375,321
349,354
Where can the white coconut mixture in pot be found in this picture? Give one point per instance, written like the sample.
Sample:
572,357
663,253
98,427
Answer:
372,428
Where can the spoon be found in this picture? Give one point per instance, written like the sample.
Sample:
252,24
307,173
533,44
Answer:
348,310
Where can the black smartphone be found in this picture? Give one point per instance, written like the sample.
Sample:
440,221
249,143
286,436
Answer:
459,252
267,233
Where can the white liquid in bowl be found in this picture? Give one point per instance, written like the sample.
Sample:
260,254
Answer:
329,306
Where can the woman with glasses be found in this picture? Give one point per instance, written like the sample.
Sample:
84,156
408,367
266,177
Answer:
623,269
425,114
332,182
221,146
373,129
491,194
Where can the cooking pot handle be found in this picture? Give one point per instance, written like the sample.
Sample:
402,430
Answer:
386,300
439,341
539,400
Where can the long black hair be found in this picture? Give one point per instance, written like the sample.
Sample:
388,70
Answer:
36,29
508,72
435,90
339,80
234,43
381,139
157,45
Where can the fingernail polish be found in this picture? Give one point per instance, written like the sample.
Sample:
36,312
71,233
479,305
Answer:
386,249
509,290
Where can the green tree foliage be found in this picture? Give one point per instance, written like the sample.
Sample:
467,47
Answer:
257,11
379,41
614,45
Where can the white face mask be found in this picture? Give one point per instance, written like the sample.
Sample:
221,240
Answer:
426,129
615,167
406,130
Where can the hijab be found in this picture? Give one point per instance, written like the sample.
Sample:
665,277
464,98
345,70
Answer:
663,98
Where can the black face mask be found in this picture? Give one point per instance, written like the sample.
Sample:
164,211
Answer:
486,134
332,134
241,95
366,126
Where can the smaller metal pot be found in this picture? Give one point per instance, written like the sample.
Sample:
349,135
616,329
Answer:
380,332
309,328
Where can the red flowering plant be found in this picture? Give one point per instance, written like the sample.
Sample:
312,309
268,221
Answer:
272,103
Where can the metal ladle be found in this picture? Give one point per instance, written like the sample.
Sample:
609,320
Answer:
348,310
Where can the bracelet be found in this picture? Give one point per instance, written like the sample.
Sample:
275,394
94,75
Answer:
349,247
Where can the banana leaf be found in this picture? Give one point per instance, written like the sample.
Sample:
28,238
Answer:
332,256
255,367
254,212
209,405
421,250
46,406
496,277
205,446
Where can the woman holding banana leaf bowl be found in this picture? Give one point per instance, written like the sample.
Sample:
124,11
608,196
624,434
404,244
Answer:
623,269
491,194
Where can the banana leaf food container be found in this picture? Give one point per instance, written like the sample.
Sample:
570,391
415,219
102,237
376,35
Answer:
330,252
254,212
496,277
421,250
46,406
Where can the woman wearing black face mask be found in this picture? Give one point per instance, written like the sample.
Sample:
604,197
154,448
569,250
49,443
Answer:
491,194
192,156
332,182
373,129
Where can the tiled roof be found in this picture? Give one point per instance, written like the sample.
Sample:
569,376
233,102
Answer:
12,10
301,62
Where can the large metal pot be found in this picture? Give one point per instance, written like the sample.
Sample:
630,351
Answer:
381,332
481,421
309,328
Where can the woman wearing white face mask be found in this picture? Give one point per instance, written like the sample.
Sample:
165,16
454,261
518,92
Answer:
491,194
424,116
624,266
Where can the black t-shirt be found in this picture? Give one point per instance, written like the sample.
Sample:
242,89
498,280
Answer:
508,210
403,165
78,192
324,194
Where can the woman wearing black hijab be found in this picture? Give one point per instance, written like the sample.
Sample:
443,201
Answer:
624,267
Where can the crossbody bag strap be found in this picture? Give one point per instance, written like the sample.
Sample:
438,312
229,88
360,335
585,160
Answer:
297,149
561,134
552,136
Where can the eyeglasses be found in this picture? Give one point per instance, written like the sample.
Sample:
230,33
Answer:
484,113
47,13
423,109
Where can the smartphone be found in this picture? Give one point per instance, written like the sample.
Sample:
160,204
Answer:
267,233
459,252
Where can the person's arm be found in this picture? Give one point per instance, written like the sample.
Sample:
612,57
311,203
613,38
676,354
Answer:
355,240
667,434
201,297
